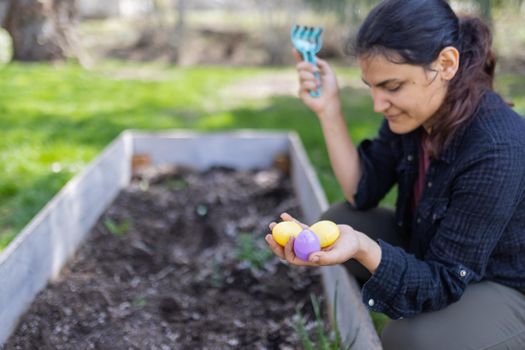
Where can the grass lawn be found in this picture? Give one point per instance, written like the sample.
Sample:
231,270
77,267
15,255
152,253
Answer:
55,120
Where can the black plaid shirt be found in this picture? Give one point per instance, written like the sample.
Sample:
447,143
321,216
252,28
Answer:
470,222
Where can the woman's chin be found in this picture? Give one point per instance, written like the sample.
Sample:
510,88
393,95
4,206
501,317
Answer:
398,127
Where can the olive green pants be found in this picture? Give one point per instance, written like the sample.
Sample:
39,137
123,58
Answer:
488,315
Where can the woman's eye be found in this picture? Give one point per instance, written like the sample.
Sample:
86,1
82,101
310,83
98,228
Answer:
393,89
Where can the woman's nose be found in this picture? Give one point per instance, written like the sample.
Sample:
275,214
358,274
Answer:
381,104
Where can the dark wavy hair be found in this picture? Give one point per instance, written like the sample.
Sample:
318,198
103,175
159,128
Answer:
414,32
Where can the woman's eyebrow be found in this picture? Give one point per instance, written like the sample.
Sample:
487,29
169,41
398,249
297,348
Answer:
383,83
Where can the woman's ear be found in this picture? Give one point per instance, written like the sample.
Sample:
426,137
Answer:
447,63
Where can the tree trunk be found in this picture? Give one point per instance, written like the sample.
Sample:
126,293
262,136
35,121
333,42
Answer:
42,30
485,7
177,40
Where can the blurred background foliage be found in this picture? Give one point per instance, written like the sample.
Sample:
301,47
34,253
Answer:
74,74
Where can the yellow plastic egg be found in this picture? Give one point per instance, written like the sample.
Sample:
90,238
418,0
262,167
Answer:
282,232
327,231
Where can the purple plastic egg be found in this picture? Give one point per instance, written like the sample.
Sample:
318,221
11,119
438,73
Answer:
306,243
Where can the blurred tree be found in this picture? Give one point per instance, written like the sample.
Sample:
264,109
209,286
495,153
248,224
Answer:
339,7
485,7
177,39
345,10
42,30
169,21
276,17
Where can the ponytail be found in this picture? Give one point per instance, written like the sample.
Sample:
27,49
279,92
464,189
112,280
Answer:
476,47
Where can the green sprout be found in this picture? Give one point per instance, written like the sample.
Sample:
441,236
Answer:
326,339
118,229
177,184
140,302
247,250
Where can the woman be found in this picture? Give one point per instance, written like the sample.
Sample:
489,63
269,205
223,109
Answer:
448,266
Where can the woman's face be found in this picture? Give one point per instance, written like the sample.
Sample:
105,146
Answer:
407,95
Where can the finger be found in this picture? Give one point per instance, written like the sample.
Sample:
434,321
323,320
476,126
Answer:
289,254
305,76
305,86
307,81
304,94
272,224
274,246
306,66
327,257
323,65
308,86
288,217
325,69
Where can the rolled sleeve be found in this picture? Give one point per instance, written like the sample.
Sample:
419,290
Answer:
380,291
404,286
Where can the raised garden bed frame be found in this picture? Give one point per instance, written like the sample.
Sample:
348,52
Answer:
38,253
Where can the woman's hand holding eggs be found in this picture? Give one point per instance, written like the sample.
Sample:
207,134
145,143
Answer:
320,235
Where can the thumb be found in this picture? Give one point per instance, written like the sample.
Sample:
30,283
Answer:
323,65
330,257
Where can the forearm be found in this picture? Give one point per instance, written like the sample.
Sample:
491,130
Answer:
343,154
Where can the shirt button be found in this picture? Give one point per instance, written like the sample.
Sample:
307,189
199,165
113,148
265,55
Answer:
429,184
418,220
462,273
371,302
410,157
400,223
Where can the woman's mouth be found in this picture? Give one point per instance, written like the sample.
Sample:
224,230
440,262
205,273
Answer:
392,116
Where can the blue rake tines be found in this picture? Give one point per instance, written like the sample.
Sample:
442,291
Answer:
308,41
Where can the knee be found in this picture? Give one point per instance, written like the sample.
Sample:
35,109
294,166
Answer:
337,212
406,335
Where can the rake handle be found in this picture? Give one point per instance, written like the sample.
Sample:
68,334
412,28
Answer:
309,57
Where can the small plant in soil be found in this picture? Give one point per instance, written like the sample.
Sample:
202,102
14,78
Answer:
116,228
247,250
326,337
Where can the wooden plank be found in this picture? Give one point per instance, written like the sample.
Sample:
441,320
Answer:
353,318
38,253
242,150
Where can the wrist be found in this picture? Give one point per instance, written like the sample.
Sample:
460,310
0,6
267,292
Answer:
368,253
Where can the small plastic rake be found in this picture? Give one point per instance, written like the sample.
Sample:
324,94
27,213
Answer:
308,41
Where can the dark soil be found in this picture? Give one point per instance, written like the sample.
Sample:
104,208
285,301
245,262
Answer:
178,261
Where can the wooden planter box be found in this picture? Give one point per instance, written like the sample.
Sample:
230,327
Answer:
41,249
